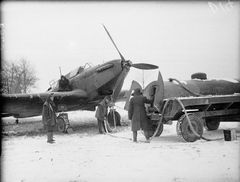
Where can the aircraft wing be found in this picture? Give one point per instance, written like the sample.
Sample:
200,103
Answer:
27,105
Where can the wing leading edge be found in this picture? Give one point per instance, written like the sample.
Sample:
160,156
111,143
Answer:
28,105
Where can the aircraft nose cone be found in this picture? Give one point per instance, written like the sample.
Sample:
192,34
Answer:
129,62
126,63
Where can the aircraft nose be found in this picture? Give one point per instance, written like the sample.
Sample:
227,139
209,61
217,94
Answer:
127,63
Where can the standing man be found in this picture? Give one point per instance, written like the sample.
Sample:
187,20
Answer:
49,117
137,114
101,114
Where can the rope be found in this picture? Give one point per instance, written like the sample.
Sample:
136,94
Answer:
114,136
106,125
184,87
189,122
114,119
160,122
185,112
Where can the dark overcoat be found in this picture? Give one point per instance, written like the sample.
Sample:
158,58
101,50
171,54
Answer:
101,111
49,114
137,113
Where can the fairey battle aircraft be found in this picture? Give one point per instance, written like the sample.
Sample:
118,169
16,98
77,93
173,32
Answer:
80,89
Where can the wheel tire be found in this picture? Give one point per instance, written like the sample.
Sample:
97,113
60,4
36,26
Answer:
186,131
111,119
61,125
154,127
211,124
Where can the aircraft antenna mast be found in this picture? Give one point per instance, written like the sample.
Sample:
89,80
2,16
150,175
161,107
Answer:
60,71
143,78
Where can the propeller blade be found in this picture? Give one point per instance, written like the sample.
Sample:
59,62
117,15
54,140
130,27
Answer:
134,85
113,43
159,94
119,84
144,66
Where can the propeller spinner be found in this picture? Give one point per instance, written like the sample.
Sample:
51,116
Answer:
143,66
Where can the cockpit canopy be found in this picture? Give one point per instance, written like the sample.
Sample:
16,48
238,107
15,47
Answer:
55,84
77,71
74,72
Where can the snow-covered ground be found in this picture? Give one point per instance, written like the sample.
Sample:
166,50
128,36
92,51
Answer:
86,156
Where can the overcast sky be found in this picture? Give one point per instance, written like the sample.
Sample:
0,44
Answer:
181,38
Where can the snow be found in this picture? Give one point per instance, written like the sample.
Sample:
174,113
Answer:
86,156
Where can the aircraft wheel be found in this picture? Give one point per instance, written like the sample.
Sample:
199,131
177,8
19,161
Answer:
61,125
110,118
185,129
211,124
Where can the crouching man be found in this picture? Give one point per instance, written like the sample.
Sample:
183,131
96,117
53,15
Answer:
101,114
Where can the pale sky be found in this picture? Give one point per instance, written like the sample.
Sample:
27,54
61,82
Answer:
180,37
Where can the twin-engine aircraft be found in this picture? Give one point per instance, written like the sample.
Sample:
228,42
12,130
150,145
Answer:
80,89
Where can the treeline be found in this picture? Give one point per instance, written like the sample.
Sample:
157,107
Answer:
17,77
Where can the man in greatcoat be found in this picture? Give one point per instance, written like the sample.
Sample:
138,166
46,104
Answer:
49,117
101,114
137,114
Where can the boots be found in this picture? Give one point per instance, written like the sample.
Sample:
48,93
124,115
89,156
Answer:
50,137
134,136
100,126
147,136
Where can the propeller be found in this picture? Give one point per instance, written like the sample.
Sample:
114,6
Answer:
114,43
143,66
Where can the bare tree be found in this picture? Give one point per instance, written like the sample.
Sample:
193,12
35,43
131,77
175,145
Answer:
18,77
7,76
